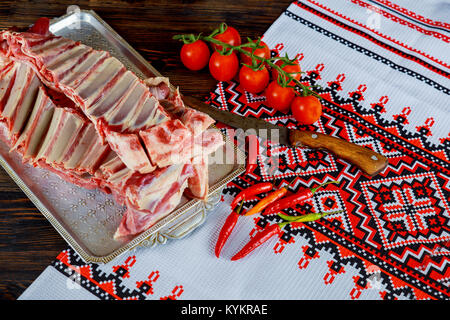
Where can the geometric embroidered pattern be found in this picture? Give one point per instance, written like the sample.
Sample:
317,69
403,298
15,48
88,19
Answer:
395,226
392,224
407,210
108,285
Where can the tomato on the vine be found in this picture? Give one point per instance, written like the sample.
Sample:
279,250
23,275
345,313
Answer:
230,36
253,81
289,68
306,110
279,97
223,67
195,55
260,52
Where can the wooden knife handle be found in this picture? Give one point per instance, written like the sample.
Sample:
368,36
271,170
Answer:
367,160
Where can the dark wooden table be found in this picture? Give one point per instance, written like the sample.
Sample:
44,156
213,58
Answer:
28,243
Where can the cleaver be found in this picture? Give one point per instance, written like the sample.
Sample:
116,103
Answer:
368,161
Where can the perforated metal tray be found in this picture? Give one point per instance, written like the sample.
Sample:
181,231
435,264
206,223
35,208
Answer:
87,219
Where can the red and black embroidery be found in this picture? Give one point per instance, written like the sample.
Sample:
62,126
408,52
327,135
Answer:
386,37
108,286
389,137
366,51
417,18
398,19
391,223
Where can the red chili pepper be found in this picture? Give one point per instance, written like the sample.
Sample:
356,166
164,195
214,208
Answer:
273,196
226,230
251,191
294,199
258,240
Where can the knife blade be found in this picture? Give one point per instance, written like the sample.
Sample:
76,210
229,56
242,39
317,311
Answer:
370,162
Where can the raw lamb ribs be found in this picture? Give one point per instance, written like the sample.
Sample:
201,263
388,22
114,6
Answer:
81,114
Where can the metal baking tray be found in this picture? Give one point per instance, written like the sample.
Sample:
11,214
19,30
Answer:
87,219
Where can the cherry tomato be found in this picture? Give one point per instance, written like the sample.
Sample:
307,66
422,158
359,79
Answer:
195,55
223,67
230,36
306,110
253,81
278,97
289,69
263,53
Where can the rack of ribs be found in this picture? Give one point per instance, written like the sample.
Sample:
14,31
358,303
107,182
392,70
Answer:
80,113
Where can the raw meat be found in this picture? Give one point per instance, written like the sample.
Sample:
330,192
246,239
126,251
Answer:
18,91
113,98
78,112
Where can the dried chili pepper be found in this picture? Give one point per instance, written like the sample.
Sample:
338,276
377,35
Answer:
227,228
273,196
258,240
294,199
251,191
